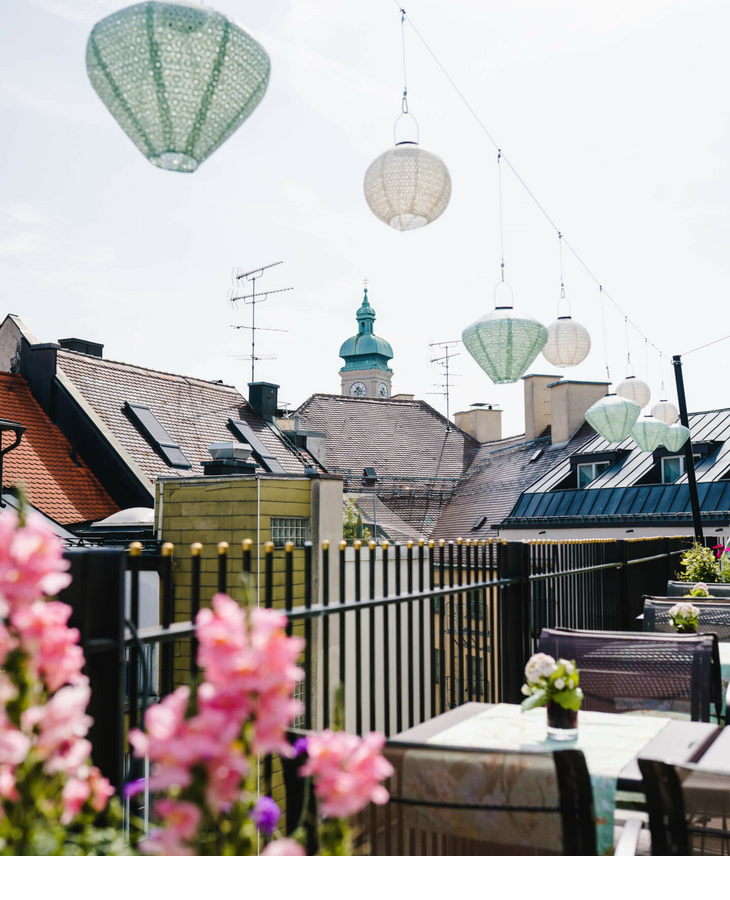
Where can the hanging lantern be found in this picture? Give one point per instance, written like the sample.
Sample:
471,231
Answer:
676,437
665,412
505,343
633,388
649,433
407,187
179,79
568,343
613,417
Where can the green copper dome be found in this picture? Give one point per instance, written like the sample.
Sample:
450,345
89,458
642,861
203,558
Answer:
365,350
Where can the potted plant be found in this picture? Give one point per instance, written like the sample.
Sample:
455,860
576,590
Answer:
554,683
684,618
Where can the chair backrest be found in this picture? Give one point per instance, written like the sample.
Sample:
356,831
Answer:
625,671
714,616
447,801
688,809
680,588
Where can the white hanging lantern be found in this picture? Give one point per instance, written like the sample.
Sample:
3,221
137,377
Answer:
613,417
665,412
676,437
568,343
649,433
505,343
633,388
407,187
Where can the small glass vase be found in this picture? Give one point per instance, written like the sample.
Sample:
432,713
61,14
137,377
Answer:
683,630
562,723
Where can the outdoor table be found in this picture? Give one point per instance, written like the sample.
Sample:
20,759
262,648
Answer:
716,757
611,743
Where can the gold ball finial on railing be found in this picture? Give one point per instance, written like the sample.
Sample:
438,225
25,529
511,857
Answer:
246,544
167,549
385,545
357,544
325,545
269,547
421,542
223,547
409,545
135,548
342,545
372,545
289,547
196,548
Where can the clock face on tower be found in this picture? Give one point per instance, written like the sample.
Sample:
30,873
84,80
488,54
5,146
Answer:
358,389
382,390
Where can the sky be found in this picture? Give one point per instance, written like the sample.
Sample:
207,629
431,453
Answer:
615,113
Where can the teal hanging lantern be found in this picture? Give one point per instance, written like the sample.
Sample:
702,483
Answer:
676,437
178,78
505,343
649,433
613,417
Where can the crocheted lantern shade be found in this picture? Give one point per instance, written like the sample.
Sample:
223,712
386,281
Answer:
568,343
649,433
505,343
665,412
613,417
179,79
633,388
676,437
407,187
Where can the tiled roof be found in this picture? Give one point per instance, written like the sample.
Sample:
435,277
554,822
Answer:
58,483
193,411
501,471
397,438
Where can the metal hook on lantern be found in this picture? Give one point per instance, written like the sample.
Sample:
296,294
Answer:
497,304
415,122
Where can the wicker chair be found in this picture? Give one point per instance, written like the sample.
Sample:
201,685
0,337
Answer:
688,809
626,671
714,616
432,812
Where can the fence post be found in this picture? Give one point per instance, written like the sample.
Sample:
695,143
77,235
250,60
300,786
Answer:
514,619
623,587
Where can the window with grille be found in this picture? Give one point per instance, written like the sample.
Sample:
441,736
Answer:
293,528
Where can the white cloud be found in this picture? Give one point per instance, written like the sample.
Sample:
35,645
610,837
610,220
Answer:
21,244
21,212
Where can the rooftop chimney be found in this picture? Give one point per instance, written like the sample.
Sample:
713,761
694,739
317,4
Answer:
569,402
91,348
263,397
483,422
537,403
229,458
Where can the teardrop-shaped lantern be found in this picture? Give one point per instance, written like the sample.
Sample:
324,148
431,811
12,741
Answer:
676,437
649,433
665,412
407,187
505,343
568,343
633,388
613,417
179,79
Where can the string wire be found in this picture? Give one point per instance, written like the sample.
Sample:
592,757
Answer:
404,101
605,340
501,219
474,114
704,346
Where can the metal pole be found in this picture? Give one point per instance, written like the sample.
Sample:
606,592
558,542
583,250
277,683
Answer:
253,328
689,460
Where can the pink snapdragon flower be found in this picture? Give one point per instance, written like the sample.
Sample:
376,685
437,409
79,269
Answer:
284,847
347,771
181,820
75,793
52,647
31,561
62,726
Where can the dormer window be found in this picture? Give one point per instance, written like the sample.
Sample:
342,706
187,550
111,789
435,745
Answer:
673,467
588,472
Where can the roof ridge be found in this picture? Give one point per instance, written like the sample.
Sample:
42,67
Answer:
116,362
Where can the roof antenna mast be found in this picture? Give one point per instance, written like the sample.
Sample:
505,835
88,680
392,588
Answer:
445,361
252,299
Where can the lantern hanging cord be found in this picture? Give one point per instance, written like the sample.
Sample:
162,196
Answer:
537,203
560,253
501,222
605,341
404,101
628,344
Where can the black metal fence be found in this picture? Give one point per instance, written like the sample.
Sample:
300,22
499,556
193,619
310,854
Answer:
409,630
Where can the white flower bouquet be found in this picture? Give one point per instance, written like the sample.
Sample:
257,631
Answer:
551,681
685,617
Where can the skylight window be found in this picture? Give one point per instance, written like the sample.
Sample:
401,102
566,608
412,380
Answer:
155,432
245,433
479,522
537,454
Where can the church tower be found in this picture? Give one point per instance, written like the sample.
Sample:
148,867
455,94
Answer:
366,372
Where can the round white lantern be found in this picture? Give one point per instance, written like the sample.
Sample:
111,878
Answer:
665,412
613,417
633,388
676,437
568,343
505,343
407,187
649,433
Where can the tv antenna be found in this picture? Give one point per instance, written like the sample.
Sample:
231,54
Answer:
445,361
252,299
